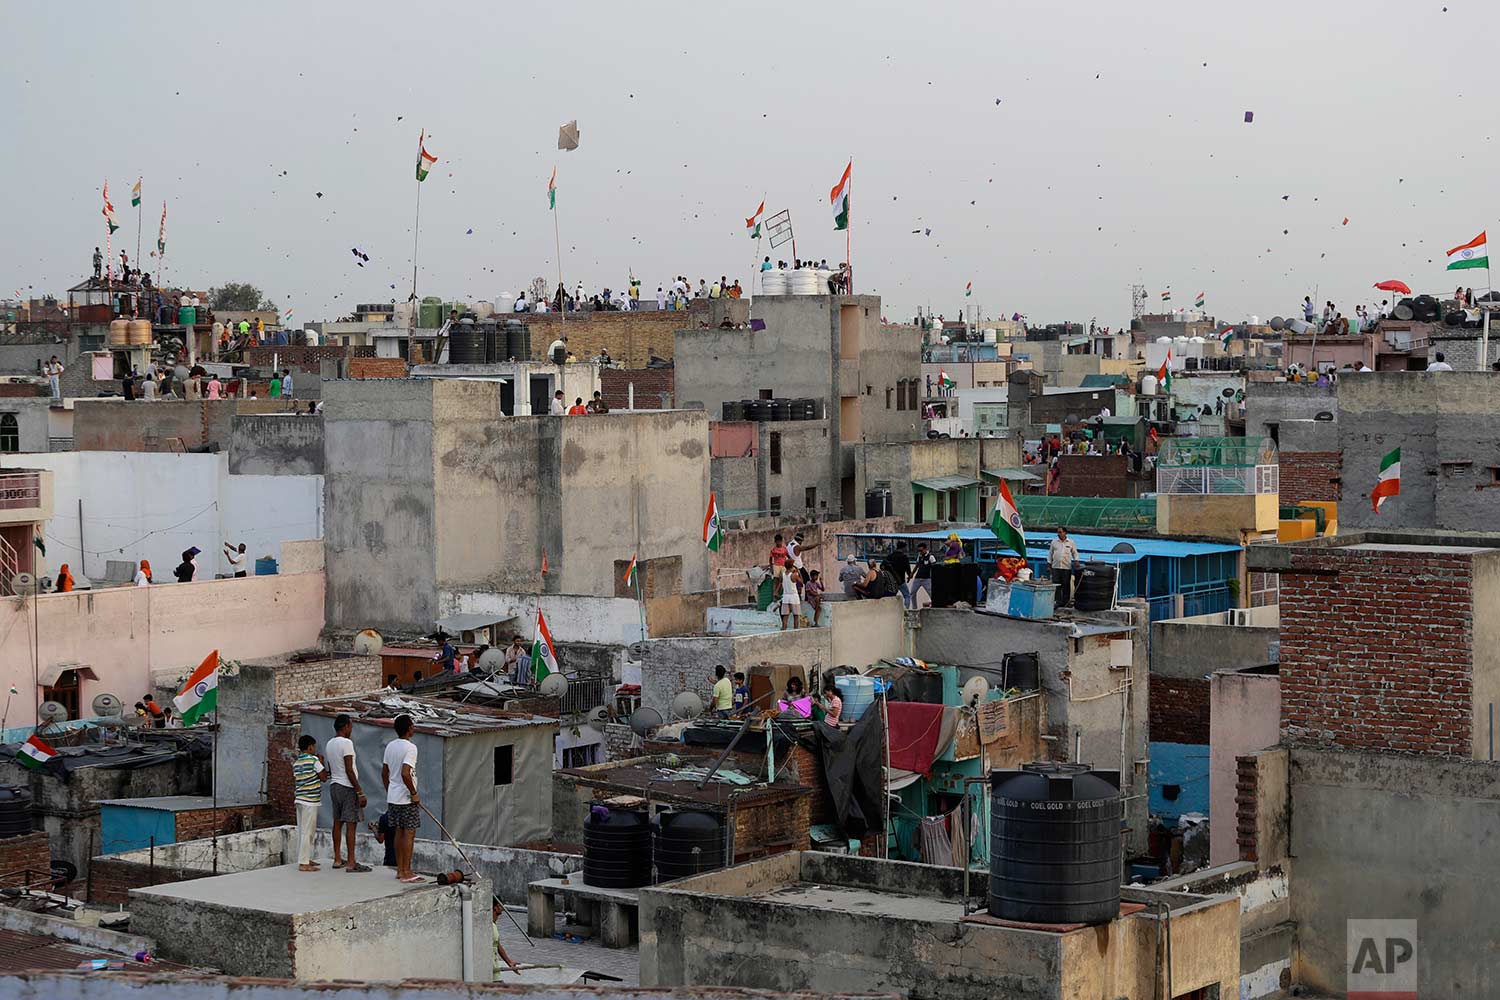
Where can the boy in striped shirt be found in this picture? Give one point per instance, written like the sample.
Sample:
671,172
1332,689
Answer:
308,775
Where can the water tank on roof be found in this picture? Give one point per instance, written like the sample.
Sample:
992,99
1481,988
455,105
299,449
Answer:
1163,340
804,281
517,340
15,811
773,282
1055,844
616,848
687,842
1148,385
1255,321
139,332
465,344
119,333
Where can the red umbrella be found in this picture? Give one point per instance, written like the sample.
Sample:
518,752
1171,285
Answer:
1393,286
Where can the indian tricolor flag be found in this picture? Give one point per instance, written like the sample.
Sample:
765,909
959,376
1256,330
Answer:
135,193
1472,254
552,190
1167,295
1198,302
425,160
630,573
35,754
1164,373
1006,523
713,533
753,223
1389,483
109,210
838,198
1226,336
543,653
944,381
201,694
968,289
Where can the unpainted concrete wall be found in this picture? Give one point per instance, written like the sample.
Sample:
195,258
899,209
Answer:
1244,716
276,444
33,418
672,666
1271,403
866,631
1430,829
1190,648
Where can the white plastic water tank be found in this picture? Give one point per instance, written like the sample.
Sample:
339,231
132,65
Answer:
483,309
1196,340
312,337
1255,321
1163,340
402,314
989,335
1148,385
805,282
1179,341
773,282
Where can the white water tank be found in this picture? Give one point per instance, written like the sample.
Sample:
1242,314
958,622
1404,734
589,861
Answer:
989,335
1148,385
773,282
1163,340
483,309
312,337
804,281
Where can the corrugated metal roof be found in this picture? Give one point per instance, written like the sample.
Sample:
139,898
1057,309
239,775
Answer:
24,952
951,482
1014,475
1087,544
437,717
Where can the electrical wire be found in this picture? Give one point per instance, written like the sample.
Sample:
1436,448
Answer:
116,548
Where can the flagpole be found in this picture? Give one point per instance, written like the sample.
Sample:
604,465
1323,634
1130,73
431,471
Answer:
416,232
849,229
557,237
140,204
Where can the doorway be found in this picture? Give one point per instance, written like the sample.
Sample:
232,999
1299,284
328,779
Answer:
541,394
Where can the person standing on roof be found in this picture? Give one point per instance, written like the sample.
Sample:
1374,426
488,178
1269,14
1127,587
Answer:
236,557
723,693
308,775
347,795
446,655
398,772
1062,557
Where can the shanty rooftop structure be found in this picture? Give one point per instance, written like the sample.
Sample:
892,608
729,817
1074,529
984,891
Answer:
485,773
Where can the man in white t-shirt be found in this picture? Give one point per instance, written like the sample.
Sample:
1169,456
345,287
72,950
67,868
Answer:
398,772
347,796
235,554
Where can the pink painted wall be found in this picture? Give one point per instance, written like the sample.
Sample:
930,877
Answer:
124,633
1244,716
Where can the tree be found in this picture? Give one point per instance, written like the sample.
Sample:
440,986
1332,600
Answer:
239,296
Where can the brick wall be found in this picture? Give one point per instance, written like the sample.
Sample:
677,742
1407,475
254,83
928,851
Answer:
631,337
377,368
1246,795
317,679
772,827
1355,673
654,387
21,390
1310,475
307,359
619,741
195,824
281,750
28,851
1179,710
110,880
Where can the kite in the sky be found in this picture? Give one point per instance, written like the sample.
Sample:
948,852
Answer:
567,136
1249,117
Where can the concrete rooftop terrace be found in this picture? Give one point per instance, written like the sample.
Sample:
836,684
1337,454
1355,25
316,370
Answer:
284,889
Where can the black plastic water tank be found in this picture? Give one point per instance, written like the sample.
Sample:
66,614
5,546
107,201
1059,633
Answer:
616,848
734,409
1022,671
687,842
781,409
15,811
517,340
1055,846
465,344
1096,587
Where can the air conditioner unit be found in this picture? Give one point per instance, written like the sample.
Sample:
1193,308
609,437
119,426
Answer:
989,491
1239,616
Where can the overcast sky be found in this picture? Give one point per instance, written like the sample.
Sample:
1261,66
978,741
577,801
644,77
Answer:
1117,152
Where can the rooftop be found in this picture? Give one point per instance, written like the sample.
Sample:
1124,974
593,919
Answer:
437,717
284,889
22,952
651,775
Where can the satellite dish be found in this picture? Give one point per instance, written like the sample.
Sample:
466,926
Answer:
687,706
107,705
598,718
975,689
637,650
1277,323
553,685
51,711
643,720
368,642
1226,392
492,660
22,582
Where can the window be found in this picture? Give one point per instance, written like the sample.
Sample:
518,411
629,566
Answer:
10,433
911,402
916,516
811,496
504,758
888,391
776,505
580,756
65,691
767,394
775,452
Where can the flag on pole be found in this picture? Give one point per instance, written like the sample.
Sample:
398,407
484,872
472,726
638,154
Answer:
713,534
1198,302
35,754
109,210
201,695
40,545
753,223
552,190
630,573
968,289
1474,253
1226,336
944,382
1389,483
161,234
1006,523
543,653
135,193
1166,296
1164,373
425,160
838,198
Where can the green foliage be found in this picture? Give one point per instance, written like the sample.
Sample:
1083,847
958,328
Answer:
239,296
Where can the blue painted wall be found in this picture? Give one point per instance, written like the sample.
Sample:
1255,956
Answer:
129,828
1184,765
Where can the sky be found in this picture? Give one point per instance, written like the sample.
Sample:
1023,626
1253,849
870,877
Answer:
1051,154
